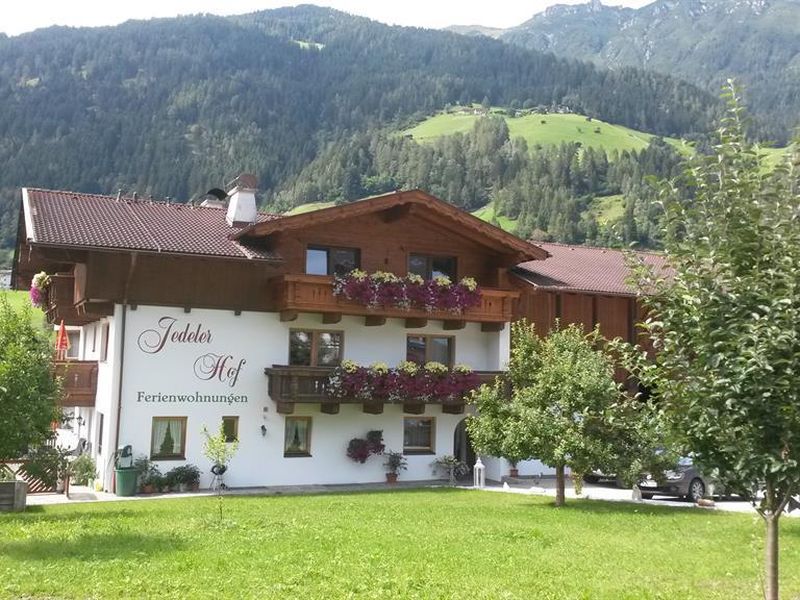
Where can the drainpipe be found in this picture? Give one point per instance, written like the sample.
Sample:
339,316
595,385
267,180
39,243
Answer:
123,320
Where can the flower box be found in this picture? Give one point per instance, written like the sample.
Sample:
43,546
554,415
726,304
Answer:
381,289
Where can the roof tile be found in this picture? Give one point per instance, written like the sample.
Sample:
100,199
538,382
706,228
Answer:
584,269
74,219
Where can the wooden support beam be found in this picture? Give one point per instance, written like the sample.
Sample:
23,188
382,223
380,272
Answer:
487,327
329,408
373,408
414,323
453,409
414,408
285,408
452,324
374,321
288,315
331,318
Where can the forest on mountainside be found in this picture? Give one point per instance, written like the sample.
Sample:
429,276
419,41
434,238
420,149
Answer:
548,190
173,107
702,41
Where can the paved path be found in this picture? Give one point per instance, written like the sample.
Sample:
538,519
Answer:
538,487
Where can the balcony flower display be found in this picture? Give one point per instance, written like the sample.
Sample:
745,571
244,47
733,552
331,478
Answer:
382,289
38,292
408,382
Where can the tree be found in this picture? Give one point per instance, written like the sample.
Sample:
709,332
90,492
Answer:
562,389
28,391
726,325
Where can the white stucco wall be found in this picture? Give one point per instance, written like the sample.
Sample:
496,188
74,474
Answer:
261,340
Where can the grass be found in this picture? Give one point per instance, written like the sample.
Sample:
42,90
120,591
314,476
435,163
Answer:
545,130
608,209
487,214
19,299
405,544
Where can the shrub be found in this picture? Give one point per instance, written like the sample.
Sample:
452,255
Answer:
83,469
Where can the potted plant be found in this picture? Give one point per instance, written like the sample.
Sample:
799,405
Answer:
452,466
186,477
394,463
513,471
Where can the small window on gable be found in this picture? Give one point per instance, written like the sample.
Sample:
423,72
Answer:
323,260
428,266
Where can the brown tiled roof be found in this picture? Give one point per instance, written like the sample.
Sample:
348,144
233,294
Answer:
90,220
427,205
584,269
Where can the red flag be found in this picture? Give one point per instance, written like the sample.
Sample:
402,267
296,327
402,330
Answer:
62,342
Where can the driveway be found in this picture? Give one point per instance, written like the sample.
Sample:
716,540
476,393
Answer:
601,491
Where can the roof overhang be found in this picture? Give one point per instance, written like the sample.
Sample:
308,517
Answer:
416,202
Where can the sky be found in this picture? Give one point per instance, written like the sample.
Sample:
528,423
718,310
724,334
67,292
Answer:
18,16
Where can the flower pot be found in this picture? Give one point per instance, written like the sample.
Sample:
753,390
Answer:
391,478
513,472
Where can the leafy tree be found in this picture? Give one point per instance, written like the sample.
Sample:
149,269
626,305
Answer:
28,391
562,391
726,325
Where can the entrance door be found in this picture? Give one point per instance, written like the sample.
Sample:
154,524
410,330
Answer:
462,447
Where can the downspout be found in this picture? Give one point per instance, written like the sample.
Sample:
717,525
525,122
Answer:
131,267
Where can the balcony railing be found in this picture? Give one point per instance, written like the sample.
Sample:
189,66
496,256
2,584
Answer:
290,385
314,294
79,382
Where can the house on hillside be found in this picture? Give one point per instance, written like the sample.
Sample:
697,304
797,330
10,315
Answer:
184,317
189,317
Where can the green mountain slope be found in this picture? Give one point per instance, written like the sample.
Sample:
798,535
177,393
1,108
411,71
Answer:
543,129
703,41
173,107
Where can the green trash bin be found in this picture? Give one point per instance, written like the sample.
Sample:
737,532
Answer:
126,481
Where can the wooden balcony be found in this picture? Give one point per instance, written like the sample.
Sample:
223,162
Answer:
288,386
295,294
62,305
79,381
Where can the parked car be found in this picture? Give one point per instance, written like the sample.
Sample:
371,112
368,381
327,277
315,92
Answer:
684,481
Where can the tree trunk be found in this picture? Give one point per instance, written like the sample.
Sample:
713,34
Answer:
560,485
771,556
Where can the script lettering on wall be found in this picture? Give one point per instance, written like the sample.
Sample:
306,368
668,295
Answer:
209,366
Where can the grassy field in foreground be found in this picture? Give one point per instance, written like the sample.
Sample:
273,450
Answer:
545,130
19,298
403,544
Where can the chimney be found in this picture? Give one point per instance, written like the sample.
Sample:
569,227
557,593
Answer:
242,200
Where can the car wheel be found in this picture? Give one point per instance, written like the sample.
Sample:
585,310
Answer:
647,496
697,490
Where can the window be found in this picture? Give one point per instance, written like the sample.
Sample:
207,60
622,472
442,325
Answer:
425,348
104,343
297,440
418,434
428,267
168,440
331,261
230,427
315,348
101,419
74,344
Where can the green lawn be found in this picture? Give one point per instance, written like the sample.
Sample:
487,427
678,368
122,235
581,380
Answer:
20,298
555,129
607,209
405,544
487,214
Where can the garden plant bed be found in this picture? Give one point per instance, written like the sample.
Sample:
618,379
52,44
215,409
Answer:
440,543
